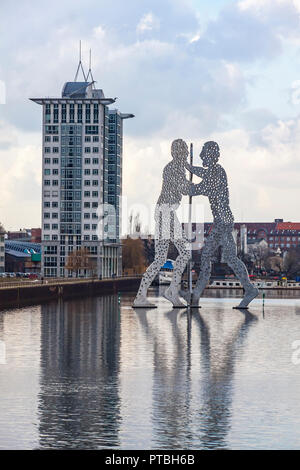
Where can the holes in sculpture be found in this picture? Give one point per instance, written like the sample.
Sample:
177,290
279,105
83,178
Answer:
168,228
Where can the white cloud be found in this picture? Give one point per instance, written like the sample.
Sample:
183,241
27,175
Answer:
20,177
251,30
263,180
147,23
262,5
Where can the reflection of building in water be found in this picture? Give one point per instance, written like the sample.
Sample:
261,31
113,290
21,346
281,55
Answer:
172,388
19,377
79,390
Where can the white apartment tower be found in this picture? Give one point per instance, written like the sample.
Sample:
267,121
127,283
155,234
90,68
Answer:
75,182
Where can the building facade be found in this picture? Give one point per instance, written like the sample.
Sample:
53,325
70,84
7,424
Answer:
22,257
75,183
114,175
26,235
278,235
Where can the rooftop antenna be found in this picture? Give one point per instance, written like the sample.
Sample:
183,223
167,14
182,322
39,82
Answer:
90,73
80,66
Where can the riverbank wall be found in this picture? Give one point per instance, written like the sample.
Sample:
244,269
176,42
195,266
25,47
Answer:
31,294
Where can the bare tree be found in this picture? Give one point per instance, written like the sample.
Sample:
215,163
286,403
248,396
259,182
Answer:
130,223
274,263
292,262
137,225
80,260
260,253
133,256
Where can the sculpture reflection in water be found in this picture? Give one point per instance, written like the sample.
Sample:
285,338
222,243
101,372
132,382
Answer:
184,415
218,377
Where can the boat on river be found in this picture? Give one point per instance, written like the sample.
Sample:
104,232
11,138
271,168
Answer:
259,283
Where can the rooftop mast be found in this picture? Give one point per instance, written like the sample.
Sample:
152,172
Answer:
90,73
80,66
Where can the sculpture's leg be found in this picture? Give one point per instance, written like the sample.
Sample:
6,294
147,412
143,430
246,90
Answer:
172,293
161,252
204,275
210,246
239,269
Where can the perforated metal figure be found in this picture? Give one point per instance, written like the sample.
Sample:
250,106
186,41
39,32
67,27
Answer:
168,227
214,185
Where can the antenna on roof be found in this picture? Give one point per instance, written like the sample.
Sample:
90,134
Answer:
80,66
90,74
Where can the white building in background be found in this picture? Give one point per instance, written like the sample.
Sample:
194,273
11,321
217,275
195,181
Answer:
77,169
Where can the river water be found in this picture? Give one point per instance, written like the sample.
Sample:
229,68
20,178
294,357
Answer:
93,373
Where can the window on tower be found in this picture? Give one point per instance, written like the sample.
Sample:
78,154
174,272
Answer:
92,129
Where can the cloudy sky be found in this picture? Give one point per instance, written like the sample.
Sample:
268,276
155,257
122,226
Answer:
198,69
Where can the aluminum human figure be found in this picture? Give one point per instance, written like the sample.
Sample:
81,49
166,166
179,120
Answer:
214,186
168,228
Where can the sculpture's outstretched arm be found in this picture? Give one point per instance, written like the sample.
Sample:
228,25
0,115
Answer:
185,187
196,170
200,189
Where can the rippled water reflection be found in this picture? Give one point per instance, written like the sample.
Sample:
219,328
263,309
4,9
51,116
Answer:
94,373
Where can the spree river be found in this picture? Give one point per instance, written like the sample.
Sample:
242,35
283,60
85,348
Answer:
93,373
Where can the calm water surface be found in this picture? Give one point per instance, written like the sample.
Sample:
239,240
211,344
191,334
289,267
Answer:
94,373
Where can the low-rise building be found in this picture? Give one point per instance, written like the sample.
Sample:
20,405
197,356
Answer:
22,235
22,257
278,234
26,235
